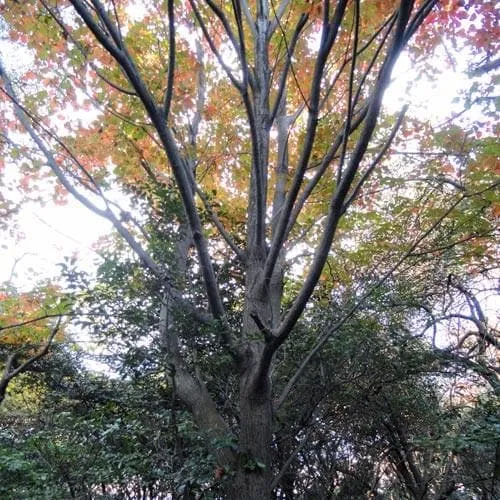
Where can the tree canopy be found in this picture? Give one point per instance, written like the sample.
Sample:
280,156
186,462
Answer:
295,299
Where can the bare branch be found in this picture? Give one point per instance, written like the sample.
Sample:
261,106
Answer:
34,320
94,186
303,442
278,14
241,48
171,59
419,18
105,213
449,245
350,103
67,34
248,16
290,48
110,83
486,67
200,95
390,23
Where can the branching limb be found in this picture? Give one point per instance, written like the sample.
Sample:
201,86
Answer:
220,227
328,38
113,29
268,334
242,87
340,139
238,44
388,23
486,67
22,112
475,306
213,48
106,213
23,119
225,23
110,83
329,332
481,333
63,179
67,34
290,49
376,161
419,17
182,177
335,210
320,171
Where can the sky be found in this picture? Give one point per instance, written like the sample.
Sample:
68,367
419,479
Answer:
50,233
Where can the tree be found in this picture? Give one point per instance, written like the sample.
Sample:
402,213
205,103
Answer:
247,132
29,323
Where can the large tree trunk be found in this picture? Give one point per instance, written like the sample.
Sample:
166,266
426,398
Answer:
253,474
263,299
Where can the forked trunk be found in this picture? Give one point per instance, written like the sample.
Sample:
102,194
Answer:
253,471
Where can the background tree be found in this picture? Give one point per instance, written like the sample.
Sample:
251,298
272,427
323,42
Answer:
246,136
29,324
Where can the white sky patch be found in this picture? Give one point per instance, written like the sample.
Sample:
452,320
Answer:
49,234
429,99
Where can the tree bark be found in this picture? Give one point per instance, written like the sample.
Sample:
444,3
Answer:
253,473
